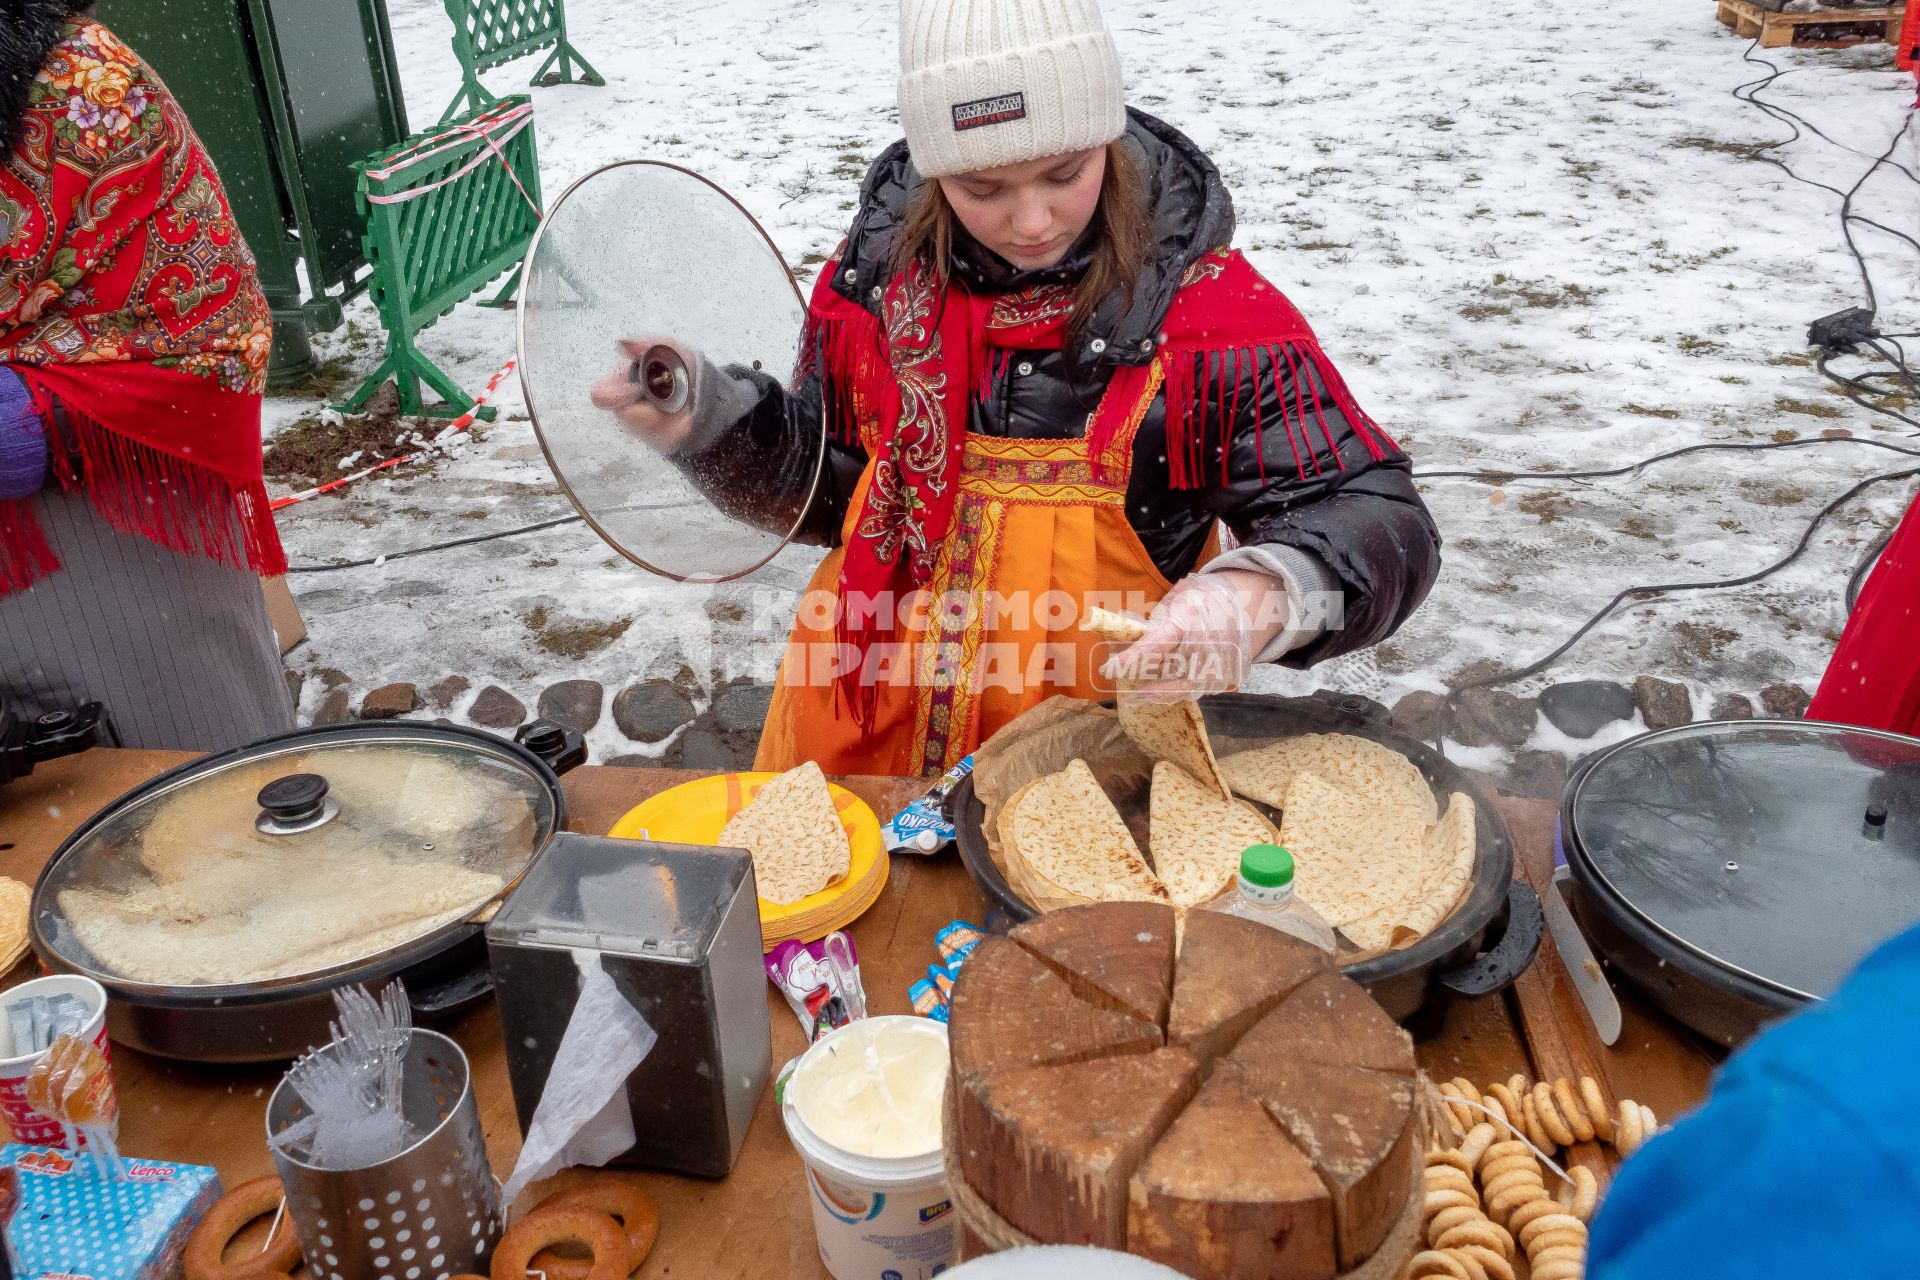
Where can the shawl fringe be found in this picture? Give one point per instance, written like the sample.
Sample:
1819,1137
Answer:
1204,389
855,373
182,505
137,489
25,557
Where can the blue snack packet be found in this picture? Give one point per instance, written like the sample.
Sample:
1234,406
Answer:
957,941
927,1000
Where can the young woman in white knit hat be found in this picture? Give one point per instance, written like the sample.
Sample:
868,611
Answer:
1048,381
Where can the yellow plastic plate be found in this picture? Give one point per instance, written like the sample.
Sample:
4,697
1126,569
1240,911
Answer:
695,812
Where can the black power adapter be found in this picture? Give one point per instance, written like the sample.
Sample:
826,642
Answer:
1842,331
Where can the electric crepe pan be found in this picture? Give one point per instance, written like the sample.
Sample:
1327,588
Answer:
1488,941
1735,871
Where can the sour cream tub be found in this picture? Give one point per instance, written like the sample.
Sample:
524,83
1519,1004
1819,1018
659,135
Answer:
863,1110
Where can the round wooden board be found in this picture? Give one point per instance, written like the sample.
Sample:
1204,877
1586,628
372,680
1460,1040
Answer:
1210,1094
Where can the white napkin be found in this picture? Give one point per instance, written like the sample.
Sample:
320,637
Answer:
584,1117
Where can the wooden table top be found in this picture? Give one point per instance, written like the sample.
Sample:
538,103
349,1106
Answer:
756,1223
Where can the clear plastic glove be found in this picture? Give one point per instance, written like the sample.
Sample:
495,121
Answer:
622,394
1201,638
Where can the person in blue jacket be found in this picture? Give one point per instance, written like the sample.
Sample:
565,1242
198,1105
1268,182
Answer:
1805,1159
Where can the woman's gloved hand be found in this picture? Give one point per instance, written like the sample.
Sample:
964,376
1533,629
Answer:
622,394
23,440
1202,636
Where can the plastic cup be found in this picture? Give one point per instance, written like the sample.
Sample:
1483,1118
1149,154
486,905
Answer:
30,1126
875,1216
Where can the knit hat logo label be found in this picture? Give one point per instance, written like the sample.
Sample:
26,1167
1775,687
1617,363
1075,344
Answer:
985,111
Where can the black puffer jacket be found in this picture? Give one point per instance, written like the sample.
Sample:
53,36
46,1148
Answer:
1365,524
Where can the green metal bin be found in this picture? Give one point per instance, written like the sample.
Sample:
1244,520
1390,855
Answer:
287,95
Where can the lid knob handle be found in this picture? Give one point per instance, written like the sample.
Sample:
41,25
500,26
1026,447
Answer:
1875,826
294,799
663,375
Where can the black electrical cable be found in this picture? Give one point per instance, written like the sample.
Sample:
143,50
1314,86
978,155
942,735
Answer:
1751,97
1496,474
437,546
1858,578
1749,94
1670,588
1856,389
1847,215
1796,122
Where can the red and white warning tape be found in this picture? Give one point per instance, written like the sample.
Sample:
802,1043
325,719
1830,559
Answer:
446,433
491,128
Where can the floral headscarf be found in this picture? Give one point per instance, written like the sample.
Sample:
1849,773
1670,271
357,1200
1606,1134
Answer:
130,306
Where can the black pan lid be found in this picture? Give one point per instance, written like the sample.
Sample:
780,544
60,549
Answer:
1782,851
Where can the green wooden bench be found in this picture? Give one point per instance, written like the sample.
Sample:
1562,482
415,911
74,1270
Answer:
444,218
487,33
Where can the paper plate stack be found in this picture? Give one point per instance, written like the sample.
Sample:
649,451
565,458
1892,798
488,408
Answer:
696,812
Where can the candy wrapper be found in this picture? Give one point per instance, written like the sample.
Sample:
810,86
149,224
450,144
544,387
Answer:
955,942
77,1218
927,1000
821,981
922,826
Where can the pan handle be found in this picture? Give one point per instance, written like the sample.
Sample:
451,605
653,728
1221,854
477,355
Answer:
432,1001
1508,958
562,748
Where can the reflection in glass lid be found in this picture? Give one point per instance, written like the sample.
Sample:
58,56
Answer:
1783,851
646,278
365,846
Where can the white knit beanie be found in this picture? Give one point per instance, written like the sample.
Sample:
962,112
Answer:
985,83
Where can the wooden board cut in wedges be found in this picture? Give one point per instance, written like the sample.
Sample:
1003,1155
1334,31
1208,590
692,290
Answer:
1261,1127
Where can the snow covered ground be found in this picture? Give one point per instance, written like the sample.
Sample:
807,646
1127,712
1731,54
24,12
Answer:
1532,241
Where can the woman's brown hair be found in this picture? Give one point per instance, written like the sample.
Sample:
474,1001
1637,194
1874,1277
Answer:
1119,251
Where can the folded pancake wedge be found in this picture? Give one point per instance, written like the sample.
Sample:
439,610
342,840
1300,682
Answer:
1448,851
1035,889
793,832
1358,765
1175,732
1197,838
1066,833
15,903
1122,628
1355,859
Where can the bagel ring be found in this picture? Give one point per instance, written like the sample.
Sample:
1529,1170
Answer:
551,1224
1435,1265
207,1246
620,1199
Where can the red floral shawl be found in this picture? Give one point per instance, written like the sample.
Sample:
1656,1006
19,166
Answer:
128,296
899,385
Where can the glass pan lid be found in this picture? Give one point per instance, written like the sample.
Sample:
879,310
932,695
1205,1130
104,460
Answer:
633,255
194,883
1784,851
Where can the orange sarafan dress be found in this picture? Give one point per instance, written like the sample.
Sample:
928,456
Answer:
966,561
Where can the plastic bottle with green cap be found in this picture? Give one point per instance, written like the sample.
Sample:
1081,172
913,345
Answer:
1264,892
